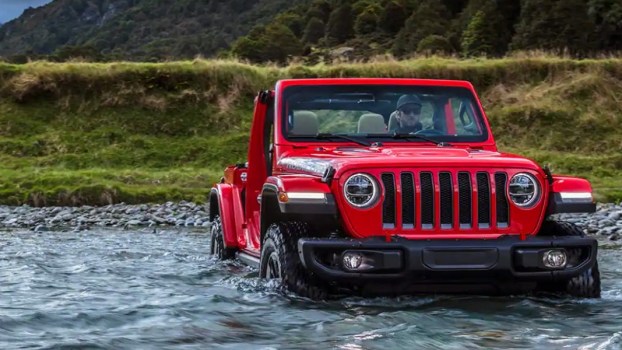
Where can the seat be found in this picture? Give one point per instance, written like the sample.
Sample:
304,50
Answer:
305,123
393,125
371,123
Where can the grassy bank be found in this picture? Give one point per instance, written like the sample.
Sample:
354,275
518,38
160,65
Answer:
77,133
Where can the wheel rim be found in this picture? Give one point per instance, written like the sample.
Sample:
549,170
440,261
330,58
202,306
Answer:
274,267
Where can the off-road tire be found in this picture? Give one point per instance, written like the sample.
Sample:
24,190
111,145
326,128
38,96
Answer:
217,246
281,243
587,284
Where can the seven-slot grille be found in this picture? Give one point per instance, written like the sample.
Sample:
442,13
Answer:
455,201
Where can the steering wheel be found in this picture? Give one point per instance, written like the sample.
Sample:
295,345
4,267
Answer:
430,132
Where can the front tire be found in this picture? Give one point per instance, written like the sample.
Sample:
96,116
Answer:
217,247
280,260
587,284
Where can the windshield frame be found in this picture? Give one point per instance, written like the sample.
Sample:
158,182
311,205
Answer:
437,87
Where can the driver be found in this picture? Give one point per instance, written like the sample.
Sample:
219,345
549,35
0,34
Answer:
408,114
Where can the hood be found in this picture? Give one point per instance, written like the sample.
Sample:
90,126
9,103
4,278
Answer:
317,161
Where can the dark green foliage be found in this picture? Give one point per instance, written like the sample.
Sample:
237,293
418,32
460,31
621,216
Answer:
486,34
393,16
314,31
154,30
274,43
429,18
434,44
142,30
320,9
366,22
457,6
340,25
607,18
556,25
292,21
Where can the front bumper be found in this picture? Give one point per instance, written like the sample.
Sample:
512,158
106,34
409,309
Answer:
447,261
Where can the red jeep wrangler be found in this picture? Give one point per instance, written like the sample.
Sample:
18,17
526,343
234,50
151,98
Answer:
387,186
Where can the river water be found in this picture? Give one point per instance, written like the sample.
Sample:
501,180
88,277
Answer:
116,289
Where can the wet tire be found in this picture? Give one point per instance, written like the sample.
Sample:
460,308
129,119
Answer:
280,260
586,285
217,246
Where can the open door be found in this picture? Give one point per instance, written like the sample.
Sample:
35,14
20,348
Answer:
259,164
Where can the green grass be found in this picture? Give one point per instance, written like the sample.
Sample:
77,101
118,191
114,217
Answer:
93,133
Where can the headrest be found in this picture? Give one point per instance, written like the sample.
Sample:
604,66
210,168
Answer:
305,123
371,123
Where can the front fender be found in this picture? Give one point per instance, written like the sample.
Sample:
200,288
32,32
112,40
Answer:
570,195
300,194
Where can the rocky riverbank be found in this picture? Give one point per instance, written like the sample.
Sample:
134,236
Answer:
185,214
606,221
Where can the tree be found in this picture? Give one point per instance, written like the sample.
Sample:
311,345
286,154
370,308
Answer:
275,43
607,18
340,26
248,48
314,31
555,25
292,21
486,33
456,6
320,9
476,41
430,18
434,44
280,43
366,22
392,17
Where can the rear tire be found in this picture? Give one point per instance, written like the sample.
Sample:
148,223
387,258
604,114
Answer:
280,260
217,246
587,284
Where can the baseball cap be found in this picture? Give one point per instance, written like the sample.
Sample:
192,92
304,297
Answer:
408,99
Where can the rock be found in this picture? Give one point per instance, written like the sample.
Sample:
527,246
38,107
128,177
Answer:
41,228
614,237
615,216
605,223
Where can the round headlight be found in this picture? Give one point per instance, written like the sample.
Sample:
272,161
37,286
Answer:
360,190
524,190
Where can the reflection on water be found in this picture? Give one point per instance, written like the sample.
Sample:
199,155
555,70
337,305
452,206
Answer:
133,289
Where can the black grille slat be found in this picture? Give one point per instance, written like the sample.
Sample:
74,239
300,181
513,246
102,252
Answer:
483,200
479,200
503,209
408,200
447,203
465,204
388,206
427,200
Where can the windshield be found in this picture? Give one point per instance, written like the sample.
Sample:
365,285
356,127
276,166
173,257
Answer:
382,111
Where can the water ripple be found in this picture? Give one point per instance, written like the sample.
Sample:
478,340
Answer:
112,289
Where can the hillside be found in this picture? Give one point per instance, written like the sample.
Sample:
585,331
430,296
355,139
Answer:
310,30
93,133
136,29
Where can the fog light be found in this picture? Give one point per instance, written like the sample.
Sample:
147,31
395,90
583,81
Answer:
554,259
352,261
356,261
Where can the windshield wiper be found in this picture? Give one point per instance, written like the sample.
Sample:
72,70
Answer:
326,136
407,136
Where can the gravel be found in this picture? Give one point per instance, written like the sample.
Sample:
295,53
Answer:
183,213
606,221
